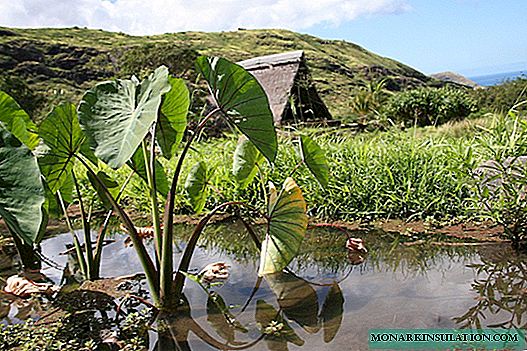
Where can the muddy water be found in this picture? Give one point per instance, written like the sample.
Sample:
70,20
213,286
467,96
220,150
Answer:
329,300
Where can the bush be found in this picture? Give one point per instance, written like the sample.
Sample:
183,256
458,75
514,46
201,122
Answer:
500,98
430,106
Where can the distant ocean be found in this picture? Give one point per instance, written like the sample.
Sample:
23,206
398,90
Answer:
497,78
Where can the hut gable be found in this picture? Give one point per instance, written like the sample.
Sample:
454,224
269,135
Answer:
284,77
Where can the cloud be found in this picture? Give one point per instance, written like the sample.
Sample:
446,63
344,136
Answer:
162,16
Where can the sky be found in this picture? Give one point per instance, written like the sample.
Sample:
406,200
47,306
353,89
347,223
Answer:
472,37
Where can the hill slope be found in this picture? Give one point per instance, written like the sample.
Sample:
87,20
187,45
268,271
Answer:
51,65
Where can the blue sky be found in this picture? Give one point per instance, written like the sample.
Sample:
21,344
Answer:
473,37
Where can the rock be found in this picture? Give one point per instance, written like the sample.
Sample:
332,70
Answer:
23,287
214,272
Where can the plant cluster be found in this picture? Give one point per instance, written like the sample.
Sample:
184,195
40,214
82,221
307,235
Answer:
429,106
130,124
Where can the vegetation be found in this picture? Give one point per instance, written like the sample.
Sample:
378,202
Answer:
430,106
120,123
500,98
60,64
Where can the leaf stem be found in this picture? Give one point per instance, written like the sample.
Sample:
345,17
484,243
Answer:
86,230
167,261
76,243
191,245
151,179
151,273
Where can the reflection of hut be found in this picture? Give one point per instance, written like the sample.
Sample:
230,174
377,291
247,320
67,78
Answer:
285,78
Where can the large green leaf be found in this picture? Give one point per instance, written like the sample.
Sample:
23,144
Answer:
277,332
63,138
137,163
296,298
196,186
173,118
17,121
314,158
242,100
21,188
286,229
117,115
331,313
245,161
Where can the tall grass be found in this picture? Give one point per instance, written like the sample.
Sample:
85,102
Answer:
413,174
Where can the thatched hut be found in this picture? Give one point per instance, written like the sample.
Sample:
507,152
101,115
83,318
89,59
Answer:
286,80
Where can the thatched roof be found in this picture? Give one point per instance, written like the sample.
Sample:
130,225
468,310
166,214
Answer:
285,76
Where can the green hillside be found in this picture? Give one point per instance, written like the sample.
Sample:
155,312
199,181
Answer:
44,66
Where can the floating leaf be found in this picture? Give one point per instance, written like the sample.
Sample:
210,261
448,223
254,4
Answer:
221,318
296,298
315,160
117,115
21,188
331,314
17,121
196,186
173,118
137,164
63,137
246,159
242,100
277,332
109,183
286,229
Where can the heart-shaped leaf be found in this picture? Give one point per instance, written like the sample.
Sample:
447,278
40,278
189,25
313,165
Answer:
245,161
63,139
17,121
296,298
315,160
137,163
286,229
331,314
173,118
117,115
21,188
196,186
242,100
277,332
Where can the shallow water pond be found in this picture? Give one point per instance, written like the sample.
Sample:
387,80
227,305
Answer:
329,300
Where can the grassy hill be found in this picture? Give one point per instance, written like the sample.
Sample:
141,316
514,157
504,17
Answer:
45,66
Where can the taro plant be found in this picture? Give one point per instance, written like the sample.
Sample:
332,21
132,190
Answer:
22,195
125,120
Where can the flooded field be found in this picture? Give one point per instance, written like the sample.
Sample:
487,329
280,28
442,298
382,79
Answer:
327,301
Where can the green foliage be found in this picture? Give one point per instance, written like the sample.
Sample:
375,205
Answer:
429,106
173,118
314,158
16,121
63,139
500,98
245,162
368,99
21,188
242,101
117,115
500,184
286,229
138,165
196,186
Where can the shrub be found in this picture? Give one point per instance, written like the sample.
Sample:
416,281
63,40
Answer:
430,106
